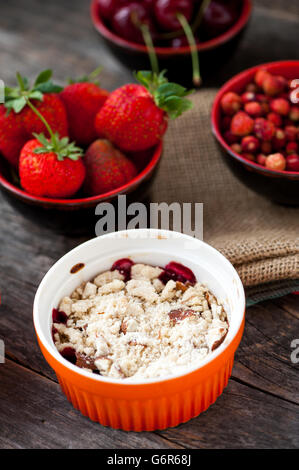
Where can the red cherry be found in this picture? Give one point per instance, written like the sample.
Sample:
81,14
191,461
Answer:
181,41
124,267
218,18
166,11
177,272
106,8
123,21
69,354
58,317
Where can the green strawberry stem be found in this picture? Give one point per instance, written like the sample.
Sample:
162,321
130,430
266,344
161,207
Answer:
91,78
16,98
193,49
41,117
150,48
60,146
167,95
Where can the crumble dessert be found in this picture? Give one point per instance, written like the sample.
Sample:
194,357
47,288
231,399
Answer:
139,321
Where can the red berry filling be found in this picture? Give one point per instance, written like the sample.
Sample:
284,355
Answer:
58,316
124,266
177,272
69,354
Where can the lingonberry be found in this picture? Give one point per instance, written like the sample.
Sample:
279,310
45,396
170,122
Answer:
253,109
275,118
283,82
261,98
294,113
291,133
230,138
292,162
248,96
260,77
236,148
276,161
279,139
265,107
266,147
263,129
252,87
225,123
241,124
272,85
280,106
231,103
250,144
261,159
291,148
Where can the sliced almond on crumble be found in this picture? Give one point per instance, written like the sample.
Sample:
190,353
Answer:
177,316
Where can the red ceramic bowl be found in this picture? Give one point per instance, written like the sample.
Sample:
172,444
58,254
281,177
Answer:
215,51
64,214
279,186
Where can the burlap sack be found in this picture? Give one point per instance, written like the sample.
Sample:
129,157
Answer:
259,237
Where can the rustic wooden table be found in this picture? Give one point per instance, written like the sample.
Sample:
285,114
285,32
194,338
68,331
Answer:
260,406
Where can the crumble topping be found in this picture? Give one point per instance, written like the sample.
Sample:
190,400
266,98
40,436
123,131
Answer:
140,322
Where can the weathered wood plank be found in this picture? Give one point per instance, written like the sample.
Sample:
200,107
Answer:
263,358
39,416
242,417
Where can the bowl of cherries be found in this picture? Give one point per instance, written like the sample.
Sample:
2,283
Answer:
255,119
211,28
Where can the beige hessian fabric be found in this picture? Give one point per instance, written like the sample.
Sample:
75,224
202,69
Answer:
259,237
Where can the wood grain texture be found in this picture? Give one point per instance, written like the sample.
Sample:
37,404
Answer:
40,417
259,408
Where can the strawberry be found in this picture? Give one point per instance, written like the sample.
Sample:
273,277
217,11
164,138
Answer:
53,110
135,117
51,168
43,95
82,100
106,168
12,136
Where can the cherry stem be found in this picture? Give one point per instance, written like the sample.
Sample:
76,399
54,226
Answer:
193,49
195,25
147,37
200,14
41,117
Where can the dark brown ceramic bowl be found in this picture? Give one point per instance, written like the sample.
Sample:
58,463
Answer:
213,53
70,215
279,186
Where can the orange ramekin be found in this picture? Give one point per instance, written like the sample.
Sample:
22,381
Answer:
149,404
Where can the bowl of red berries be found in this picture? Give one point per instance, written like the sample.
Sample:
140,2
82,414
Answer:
211,28
69,148
255,119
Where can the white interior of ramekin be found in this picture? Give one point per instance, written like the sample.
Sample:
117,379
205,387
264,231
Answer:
156,247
